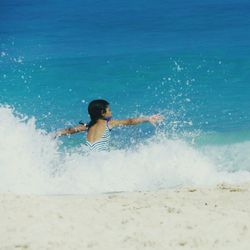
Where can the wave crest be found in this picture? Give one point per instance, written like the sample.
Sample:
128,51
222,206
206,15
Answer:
31,162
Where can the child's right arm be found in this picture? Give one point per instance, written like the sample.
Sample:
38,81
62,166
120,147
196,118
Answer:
72,130
153,119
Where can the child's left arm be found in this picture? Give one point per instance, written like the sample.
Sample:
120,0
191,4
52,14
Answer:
72,130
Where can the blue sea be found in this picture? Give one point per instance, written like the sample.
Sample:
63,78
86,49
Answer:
187,60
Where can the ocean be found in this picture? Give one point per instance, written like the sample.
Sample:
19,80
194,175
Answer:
187,60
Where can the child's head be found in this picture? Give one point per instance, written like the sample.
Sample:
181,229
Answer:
98,109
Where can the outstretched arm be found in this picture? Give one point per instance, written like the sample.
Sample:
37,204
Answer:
72,130
153,119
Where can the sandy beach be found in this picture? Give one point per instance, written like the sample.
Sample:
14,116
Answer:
185,218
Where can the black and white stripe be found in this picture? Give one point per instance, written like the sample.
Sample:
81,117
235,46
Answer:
102,144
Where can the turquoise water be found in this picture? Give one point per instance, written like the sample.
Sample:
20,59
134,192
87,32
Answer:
187,60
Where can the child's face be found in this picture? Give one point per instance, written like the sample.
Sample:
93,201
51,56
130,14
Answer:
108,112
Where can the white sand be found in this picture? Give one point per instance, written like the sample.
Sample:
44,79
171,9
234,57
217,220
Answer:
189,218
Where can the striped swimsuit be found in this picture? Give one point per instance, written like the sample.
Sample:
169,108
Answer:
103,143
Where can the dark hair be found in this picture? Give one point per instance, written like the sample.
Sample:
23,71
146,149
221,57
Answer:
96,109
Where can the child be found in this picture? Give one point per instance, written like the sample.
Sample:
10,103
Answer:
98,130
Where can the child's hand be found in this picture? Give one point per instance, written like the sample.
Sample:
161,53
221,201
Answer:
154,119
54,135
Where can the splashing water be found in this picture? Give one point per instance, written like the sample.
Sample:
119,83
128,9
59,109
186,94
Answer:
31,162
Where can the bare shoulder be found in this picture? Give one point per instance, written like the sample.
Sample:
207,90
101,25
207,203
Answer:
96,131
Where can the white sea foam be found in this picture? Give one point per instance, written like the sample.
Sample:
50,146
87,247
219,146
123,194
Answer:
31,162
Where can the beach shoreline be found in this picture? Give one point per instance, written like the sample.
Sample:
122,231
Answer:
181,218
